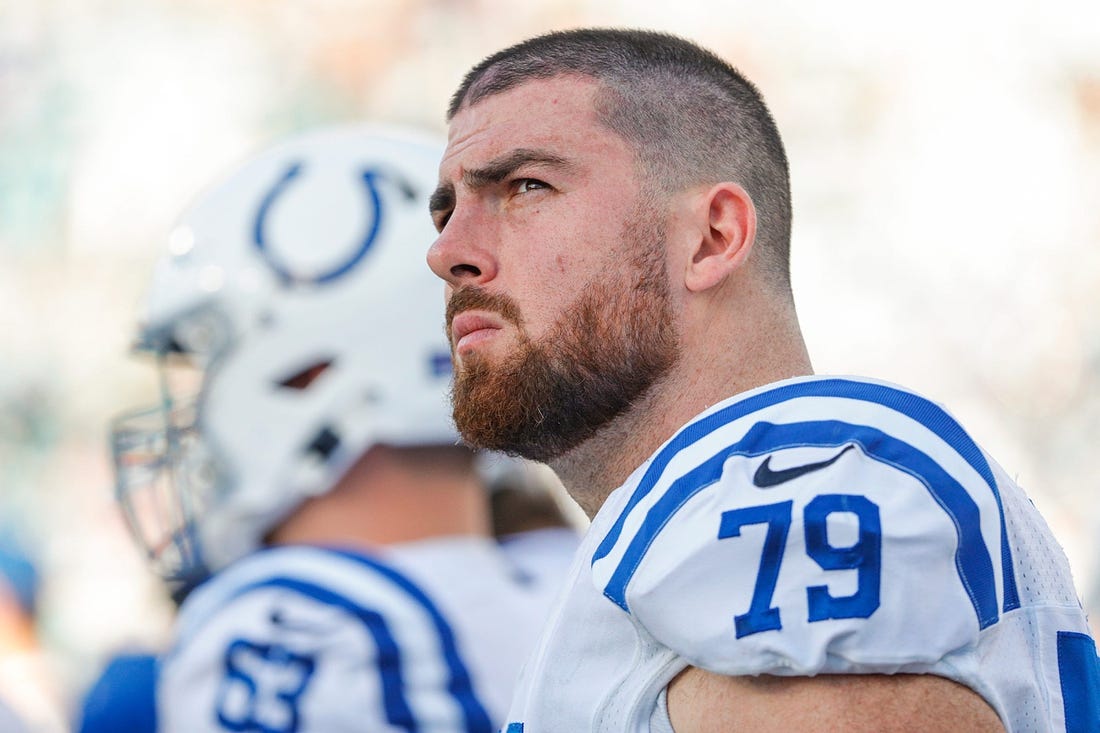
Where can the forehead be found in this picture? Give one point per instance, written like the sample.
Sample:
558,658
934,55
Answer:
557,115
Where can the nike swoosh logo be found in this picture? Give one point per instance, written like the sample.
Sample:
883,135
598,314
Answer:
765,477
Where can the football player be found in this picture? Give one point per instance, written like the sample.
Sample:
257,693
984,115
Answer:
769,550
311,500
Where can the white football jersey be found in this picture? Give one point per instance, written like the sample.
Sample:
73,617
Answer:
426,636
817,525
542,556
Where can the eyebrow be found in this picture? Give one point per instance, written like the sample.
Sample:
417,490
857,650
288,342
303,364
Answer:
495,171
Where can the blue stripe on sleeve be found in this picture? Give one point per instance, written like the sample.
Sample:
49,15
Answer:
461,684
398,713
915,407
397,708
971,557
1079,673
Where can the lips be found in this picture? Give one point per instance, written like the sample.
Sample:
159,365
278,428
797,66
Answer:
470,328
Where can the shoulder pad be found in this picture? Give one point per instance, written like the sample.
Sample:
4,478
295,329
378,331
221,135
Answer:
828,525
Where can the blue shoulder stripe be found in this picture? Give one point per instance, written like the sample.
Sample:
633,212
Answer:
398,712
915,407
461,684
971,556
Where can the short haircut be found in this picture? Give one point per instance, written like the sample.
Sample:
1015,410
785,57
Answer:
690,116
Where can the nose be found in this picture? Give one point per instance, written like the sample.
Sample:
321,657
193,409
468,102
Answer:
459,254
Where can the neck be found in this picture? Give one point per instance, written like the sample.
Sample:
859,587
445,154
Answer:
391,496
710,370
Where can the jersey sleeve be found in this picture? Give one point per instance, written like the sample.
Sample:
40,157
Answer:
332,644
851,552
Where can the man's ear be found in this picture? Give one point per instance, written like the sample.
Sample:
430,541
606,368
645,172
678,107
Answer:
727,234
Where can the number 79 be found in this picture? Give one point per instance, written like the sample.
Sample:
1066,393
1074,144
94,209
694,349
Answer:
865,557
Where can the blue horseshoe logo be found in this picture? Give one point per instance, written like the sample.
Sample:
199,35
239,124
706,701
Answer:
286,275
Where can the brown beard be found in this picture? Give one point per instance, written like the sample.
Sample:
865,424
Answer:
604,352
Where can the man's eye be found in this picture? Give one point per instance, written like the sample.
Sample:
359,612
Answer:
523,185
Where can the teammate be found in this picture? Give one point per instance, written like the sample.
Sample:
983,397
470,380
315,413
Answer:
317,474
769,550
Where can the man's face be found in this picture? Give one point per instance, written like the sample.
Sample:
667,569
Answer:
558,303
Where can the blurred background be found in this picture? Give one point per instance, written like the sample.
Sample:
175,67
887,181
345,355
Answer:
946,172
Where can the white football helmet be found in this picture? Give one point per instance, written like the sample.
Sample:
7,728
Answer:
298,292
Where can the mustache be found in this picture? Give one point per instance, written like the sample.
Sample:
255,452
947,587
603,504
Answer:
475,298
